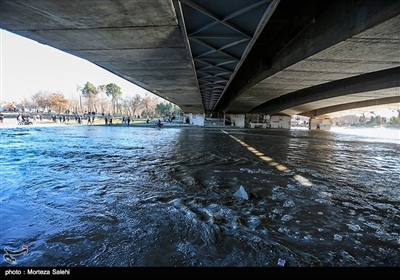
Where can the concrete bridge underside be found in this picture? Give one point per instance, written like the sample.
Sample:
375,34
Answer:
312,58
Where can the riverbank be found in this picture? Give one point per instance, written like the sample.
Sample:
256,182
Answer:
10,121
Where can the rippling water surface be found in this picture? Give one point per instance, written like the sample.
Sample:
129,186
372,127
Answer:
126,196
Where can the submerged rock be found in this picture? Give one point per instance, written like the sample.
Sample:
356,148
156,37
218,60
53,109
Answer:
241,193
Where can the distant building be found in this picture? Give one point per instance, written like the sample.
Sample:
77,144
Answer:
10,108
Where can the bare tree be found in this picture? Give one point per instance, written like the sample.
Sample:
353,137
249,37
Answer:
42,99
149,105
135,103
104,100
73,104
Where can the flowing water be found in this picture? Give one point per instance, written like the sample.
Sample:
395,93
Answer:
140,197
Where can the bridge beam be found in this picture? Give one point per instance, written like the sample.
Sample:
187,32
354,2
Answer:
352,105
338,22
384,79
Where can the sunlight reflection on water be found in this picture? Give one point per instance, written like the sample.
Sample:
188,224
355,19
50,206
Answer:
373,133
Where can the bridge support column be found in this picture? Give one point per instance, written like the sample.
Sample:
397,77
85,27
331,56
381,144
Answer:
195,119
319,123
237,120
280,121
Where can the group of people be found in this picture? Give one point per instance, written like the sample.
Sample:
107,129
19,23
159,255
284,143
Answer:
22,119
90,117
108,119
126,120
78,118
61,118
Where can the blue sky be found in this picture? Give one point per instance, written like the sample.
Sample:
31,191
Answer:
27,67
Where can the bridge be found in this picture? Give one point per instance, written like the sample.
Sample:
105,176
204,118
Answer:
237,58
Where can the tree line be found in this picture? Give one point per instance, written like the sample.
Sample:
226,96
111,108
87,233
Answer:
104,99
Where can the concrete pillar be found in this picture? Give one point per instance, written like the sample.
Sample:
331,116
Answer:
196,119
237,120
280,121
319,123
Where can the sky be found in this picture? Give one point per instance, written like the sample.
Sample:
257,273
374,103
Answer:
27,67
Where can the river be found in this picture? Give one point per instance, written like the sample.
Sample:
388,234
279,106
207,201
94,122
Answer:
98,196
